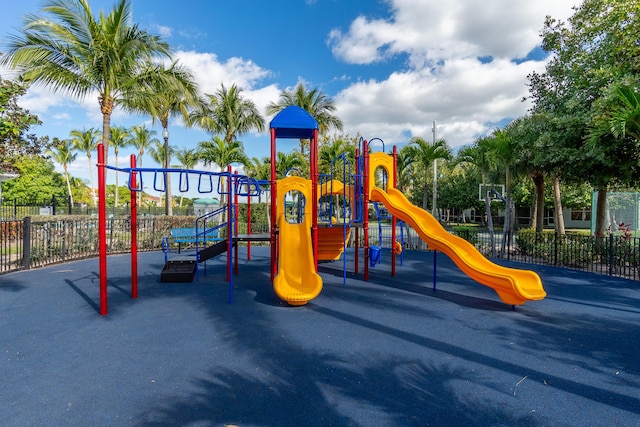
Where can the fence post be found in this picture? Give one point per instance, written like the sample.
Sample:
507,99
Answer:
610,254
26,243
555,249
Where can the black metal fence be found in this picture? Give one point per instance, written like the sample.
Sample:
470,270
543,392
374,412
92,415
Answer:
15,209
614,255
27,244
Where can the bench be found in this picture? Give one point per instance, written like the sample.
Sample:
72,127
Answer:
188,235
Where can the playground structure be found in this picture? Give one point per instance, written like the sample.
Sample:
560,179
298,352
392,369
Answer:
301,234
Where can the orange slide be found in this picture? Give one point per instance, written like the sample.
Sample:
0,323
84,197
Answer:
513,286
297,281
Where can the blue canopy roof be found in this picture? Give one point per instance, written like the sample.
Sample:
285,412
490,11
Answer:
294,122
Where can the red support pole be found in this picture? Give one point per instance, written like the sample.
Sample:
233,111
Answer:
355,209
249,225
229,222
274,198
365,227
237,208
313,154
102,229
392,180
133,220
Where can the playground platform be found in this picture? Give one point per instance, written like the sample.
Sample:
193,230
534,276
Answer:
388,352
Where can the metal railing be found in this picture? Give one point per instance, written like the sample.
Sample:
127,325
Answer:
614,254
28,244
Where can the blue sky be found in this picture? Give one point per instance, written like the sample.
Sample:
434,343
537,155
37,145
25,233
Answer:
392,67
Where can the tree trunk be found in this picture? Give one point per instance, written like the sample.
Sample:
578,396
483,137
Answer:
557,206
487,206
601,211
537,216
115,204
93,190
508,215
66,175
425,193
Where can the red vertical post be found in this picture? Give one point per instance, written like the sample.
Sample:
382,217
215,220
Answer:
237,215
365,201
229,223
313,154
391,181
274,198
354,209
133,220
249,225
102,229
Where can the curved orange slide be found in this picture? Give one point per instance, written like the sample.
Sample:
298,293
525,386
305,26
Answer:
513,286
297,281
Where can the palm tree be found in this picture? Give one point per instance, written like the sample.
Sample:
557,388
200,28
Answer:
315,102
221,153
63,154
141,138
328,154
86,140
228,113
478,155
173,94
503,150
157,153
288,161
119,138
259,169
72,51
426,153
188,158
405,170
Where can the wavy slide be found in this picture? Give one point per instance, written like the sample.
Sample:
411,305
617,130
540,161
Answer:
513,286
297,281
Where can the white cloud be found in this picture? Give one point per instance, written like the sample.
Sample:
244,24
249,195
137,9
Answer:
444,79
210,72
432,30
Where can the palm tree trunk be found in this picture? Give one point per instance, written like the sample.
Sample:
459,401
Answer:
66,176
425,193
115,204
93,190
487,206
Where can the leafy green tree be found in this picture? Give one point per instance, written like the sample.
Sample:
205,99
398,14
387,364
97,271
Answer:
329,156
478,156
188,158
405,170
595,50
173,94
426,153
86,140
142,138
286,162
315,102
221,153
38,180
157,153
70,50
228,113
15,122
259,169
120,137
63,154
